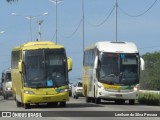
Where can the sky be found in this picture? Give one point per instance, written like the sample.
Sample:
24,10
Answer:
143,30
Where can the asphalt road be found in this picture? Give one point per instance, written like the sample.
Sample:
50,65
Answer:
76,105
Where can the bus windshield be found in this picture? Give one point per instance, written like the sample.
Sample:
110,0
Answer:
45,68
121,69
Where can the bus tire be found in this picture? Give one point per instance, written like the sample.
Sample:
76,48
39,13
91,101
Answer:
93,100
26,105
76,96
120,102
63,104
52,104
97,100
131,102
88,99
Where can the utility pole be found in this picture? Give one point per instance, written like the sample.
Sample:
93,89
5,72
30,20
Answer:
56,2
30,22
39,32
116,21
83,21
56,22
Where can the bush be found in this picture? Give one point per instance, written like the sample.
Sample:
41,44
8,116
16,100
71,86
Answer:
149,98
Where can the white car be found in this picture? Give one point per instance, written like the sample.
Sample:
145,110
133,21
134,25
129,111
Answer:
77,90
6,84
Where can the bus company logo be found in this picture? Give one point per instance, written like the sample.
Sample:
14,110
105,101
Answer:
6,114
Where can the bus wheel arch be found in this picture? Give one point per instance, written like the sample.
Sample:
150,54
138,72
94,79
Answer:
131,102
63,104
26,105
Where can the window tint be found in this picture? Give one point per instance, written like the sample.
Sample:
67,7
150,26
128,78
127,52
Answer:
15,59
89,57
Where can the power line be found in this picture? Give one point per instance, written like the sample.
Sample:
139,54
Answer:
126,13
74,32
101,23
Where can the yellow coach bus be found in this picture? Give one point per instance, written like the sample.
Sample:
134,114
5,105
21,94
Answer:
111,71
39,72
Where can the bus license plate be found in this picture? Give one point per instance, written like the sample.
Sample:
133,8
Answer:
118,95
46,98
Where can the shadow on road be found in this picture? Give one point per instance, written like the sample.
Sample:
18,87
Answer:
68,105
5,100
113,103
82,105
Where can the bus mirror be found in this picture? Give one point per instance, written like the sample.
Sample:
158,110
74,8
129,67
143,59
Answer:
142,64
96,63
20,66
69,60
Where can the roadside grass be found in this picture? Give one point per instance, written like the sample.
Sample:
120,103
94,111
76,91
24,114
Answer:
149,98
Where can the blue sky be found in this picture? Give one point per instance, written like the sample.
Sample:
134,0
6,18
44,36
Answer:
143,30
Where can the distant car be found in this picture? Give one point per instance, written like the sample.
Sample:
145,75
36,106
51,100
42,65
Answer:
6,84
77,90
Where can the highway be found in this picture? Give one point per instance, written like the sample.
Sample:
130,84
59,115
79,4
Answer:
81,105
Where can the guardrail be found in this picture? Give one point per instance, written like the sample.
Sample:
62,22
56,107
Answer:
149,91
149,97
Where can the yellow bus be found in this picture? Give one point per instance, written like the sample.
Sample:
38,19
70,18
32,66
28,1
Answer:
39,72
111,71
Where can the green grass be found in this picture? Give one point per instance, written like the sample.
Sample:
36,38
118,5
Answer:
149,98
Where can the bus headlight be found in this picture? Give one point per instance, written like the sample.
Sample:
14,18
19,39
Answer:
8,88
100,86
136,88
63,90
28,92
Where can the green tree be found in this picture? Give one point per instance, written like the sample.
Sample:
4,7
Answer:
11,1
150,77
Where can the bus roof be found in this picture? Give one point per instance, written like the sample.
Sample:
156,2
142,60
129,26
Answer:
38,45
115,47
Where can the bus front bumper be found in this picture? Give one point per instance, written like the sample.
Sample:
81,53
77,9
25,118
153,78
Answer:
132,95
33,98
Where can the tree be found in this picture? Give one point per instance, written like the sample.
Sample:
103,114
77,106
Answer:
150,77
11,1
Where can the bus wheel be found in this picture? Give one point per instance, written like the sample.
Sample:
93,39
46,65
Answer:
88,99
18,104
97,100
26,105
52,104
5,96
63,104
76,96
93,100
120,102
131,102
